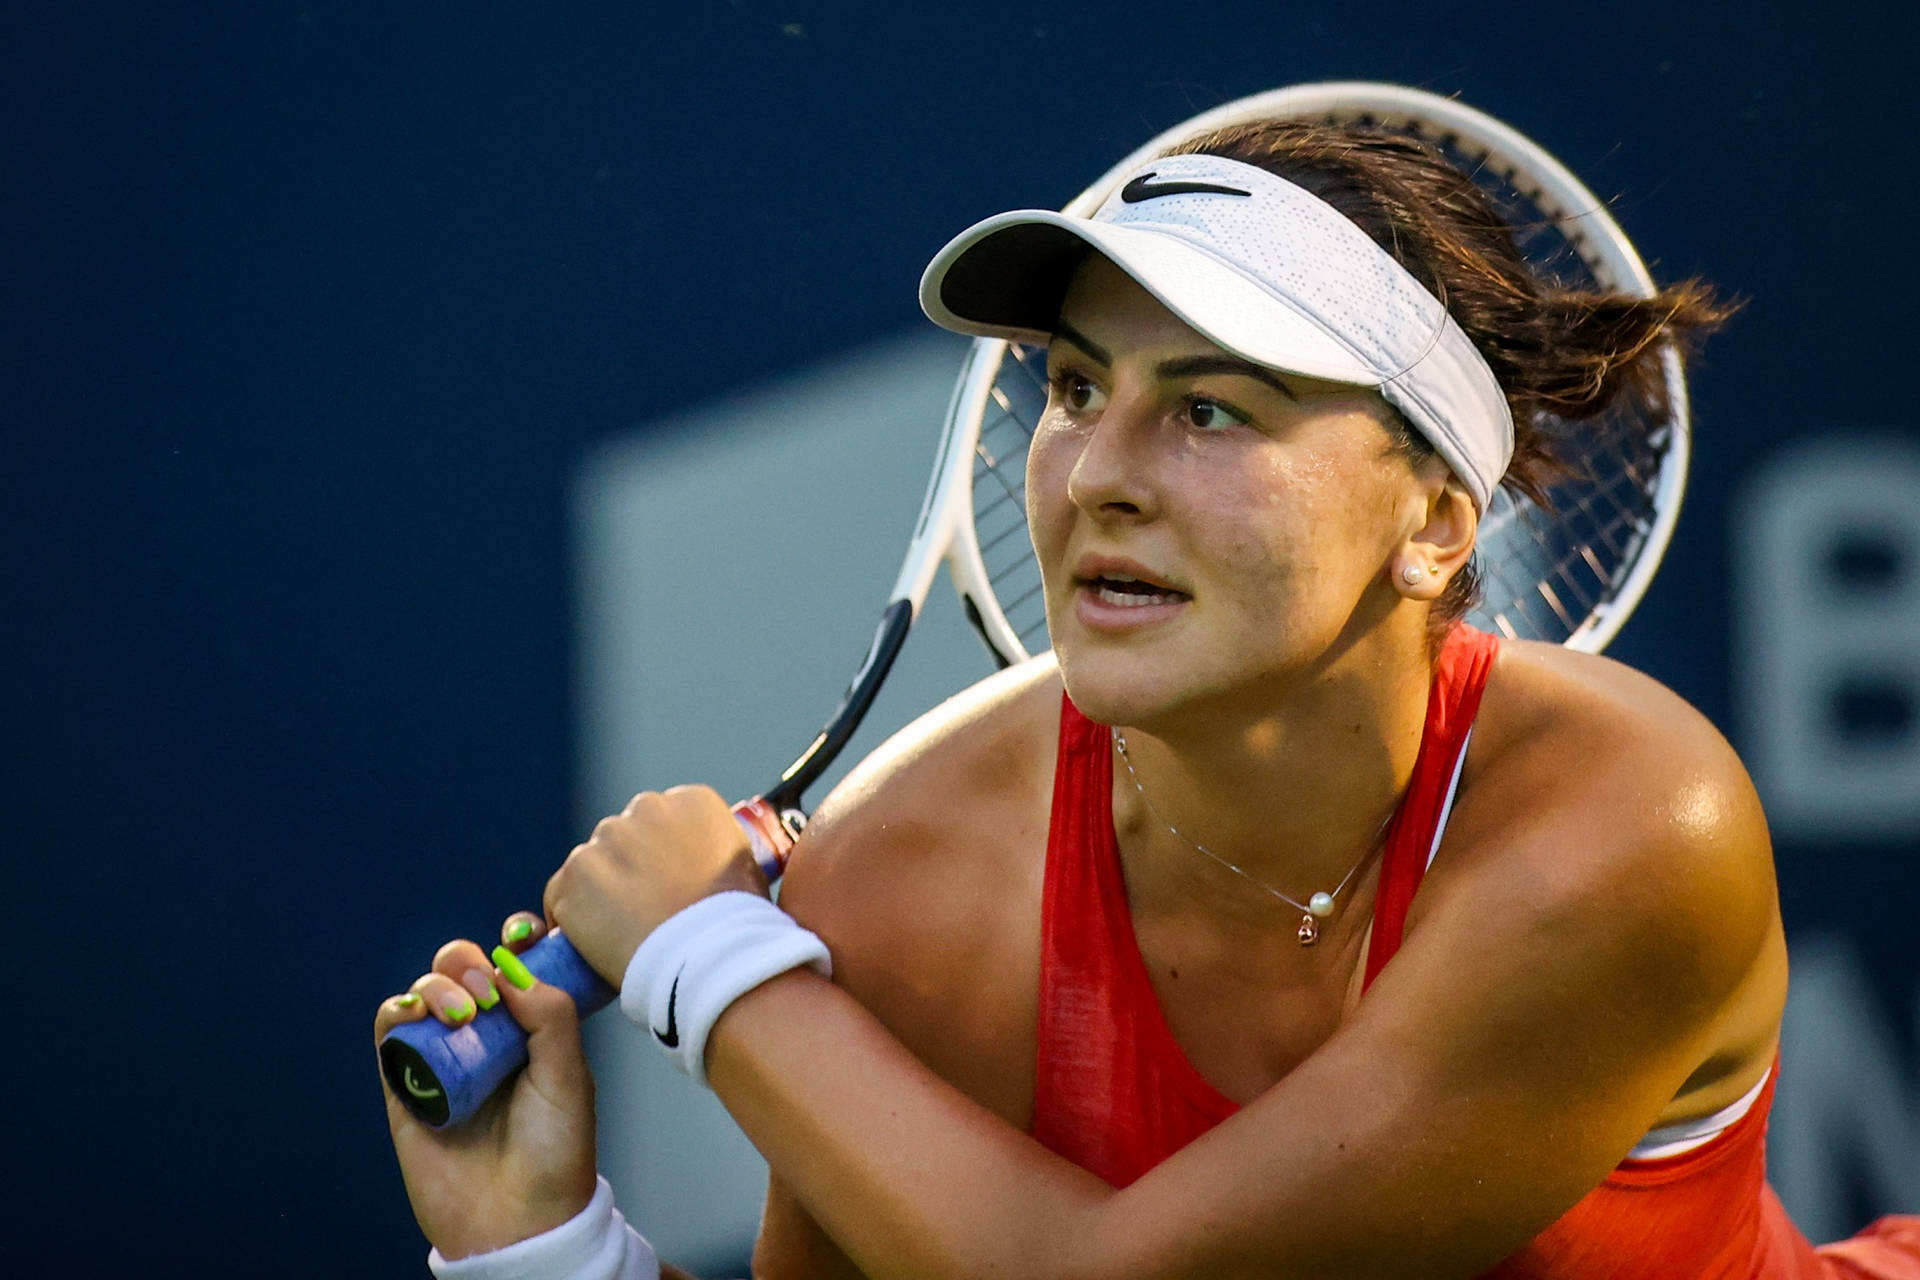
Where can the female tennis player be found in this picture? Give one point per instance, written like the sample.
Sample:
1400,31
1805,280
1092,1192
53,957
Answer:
1277,924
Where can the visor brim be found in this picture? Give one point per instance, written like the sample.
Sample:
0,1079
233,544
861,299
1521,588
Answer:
1006,277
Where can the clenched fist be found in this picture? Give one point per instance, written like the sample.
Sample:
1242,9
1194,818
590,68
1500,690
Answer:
664,851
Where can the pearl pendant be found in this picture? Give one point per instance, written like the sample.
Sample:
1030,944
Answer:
1321,904
1309,932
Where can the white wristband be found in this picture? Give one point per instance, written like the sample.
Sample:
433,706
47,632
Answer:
692,967
594,1244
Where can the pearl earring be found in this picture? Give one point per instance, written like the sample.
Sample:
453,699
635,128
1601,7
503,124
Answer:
1411,574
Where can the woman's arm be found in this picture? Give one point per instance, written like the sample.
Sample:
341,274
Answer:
793,1246
1562,983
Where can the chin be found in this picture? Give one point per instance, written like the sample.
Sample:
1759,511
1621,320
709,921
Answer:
1104,689
1161,686
1127,689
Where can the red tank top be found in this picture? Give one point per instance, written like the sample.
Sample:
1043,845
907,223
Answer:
1114,1093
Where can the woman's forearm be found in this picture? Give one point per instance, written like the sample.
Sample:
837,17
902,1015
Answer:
850,1147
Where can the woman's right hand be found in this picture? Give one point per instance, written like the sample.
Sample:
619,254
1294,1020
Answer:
524,1163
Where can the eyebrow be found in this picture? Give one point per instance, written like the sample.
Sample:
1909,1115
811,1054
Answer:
1181,366
1062,329
1189,366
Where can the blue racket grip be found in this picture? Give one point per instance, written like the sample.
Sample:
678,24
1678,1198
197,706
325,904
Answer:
444,1073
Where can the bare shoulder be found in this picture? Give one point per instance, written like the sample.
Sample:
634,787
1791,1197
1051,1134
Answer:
1614,819
1577,733
922,872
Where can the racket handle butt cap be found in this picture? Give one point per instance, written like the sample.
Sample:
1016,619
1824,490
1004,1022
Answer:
443,1074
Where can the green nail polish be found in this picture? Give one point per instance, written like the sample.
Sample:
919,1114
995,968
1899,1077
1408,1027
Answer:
511,968
490,999
459,1012
519,931
407,1001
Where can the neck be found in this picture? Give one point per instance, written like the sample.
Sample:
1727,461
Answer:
1293,786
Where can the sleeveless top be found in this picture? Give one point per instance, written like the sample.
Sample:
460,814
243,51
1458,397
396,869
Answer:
1114,1093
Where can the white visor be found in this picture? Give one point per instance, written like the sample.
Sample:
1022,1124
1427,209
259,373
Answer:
1260,268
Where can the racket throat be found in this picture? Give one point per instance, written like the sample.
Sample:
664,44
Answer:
888,637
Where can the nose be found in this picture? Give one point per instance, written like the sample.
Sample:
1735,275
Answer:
1112,478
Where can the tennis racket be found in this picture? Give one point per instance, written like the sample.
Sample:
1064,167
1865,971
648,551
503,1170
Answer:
1569,572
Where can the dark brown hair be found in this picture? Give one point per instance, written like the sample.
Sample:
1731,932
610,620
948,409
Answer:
1561,354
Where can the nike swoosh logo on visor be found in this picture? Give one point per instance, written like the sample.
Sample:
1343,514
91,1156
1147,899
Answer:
1145,188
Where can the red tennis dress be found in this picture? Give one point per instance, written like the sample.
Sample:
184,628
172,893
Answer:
1115,1094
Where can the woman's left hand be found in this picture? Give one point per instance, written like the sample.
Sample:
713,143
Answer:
663,852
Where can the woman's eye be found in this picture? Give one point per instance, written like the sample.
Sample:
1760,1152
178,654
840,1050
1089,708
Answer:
1211,415
1078,393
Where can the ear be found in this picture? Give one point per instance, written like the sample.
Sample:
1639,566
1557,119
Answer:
1440,543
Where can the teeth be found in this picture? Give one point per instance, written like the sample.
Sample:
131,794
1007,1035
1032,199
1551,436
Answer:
1127,591
1130,599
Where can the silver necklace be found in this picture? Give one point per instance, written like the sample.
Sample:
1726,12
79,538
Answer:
1313,911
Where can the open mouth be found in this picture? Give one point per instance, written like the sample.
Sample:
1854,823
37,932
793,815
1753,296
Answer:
1128,592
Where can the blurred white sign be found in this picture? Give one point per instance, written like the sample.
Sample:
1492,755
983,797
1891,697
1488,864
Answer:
731,563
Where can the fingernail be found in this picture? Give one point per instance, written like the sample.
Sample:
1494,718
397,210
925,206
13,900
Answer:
457,1008
520,930
484,994
406,1001
512,969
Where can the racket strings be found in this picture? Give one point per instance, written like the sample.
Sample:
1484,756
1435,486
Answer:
1018,396
1547,571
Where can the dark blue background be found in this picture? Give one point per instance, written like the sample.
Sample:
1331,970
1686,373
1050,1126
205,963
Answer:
311,311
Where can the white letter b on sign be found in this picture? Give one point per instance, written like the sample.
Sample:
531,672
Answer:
1826,555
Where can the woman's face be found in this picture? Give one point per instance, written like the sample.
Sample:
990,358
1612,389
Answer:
1206,528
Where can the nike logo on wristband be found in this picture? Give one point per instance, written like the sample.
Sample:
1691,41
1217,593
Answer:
1144,188
671,1036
